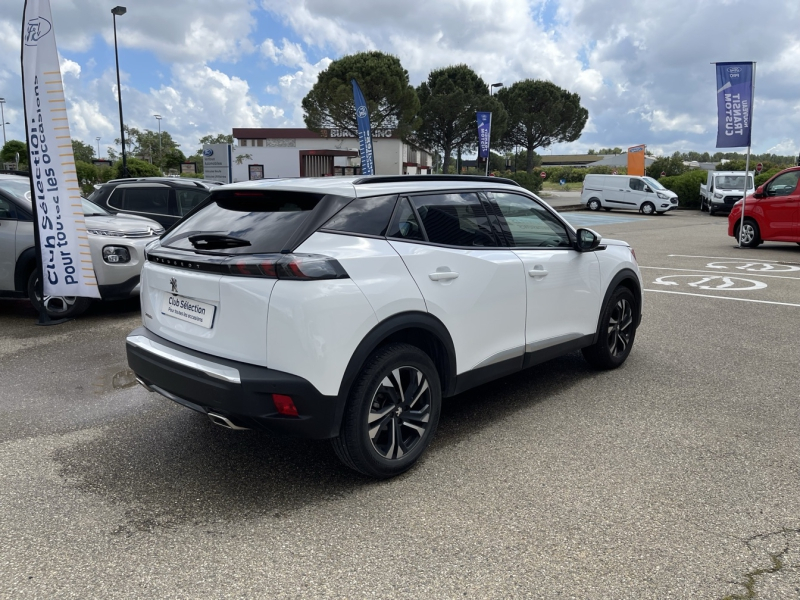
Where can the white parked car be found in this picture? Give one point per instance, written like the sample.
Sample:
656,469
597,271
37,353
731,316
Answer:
347,308
629,192
116,242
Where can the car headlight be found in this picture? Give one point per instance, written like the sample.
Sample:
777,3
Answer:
116,255
717,195
662,196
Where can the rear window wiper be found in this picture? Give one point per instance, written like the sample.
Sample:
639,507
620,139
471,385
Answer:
212,241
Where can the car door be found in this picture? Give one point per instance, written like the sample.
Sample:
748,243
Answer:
563,285
472,284
154,201
8,235
781,208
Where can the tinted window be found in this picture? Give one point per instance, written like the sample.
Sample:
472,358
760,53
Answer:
7,211
637,184
405,225
527,223
369,216
455,219
265,220
152,200
188,199
19,188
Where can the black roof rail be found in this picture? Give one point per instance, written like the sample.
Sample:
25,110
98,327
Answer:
409,178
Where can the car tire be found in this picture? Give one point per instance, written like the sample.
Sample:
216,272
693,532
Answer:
750,236
391,413
58,307
616,333
703,207
593,204
648,208
711,211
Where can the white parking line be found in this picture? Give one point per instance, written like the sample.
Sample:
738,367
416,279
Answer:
715,272
736,258
722,297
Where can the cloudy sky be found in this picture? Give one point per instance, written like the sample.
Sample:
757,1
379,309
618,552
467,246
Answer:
642,68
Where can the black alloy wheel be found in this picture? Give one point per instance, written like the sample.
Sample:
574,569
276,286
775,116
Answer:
392,412
616,333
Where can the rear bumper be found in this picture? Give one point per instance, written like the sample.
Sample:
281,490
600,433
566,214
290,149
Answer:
239,391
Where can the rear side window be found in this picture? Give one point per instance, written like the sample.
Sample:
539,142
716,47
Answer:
455,219
404,225
188,199
152,200
368,216
244,222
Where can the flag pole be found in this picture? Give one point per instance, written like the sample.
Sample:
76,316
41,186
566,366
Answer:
747,161
489,145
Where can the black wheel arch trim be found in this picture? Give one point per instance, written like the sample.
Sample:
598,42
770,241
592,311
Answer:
387,330
627,276
26,263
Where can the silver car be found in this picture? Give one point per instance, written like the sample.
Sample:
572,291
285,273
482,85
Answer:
116,241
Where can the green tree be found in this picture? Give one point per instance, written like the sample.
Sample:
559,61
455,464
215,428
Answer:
9,152
449,100
136,168
672,166
220,138
173,159
539,114
83,152
144,144
391,101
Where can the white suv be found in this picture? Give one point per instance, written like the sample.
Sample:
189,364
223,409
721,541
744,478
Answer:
347,308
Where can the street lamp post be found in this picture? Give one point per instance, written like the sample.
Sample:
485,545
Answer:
158,118
3,117
494,85
98,147
119,11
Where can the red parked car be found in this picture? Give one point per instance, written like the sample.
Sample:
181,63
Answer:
772,214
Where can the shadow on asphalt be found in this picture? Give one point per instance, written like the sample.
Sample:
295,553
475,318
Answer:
168,465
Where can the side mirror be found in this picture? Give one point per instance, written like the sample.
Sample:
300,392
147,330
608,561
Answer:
759,192
587,240
647,189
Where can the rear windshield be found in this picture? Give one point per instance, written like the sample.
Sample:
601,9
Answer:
243,222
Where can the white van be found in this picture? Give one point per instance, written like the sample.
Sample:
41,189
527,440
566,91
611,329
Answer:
630,192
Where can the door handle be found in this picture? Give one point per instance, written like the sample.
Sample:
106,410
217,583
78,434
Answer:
443,275
537,272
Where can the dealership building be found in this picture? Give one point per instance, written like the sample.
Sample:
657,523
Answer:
299,152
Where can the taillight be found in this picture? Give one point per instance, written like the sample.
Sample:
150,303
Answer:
287,266
285,405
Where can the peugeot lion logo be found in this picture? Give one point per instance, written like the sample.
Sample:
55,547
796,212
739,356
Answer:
174,283
36,30
208,152
361,112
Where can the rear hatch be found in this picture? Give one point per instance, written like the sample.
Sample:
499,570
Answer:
207,283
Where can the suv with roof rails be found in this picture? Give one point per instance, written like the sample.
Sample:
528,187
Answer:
347,308
163,199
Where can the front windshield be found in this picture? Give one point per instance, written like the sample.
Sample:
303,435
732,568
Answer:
733,182
90,209
653,183
19,188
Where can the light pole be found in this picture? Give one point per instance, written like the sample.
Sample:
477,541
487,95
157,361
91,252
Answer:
98,147
119,11
494,85
158,118
3,117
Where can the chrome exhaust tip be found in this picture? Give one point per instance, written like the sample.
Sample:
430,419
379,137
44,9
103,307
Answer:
146,386
224,422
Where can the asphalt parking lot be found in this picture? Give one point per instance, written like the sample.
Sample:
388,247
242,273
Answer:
675,476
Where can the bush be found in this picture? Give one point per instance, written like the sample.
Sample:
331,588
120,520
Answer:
687,186
531,183
762,178
136,168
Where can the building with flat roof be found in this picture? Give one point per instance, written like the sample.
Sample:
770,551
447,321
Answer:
300,152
